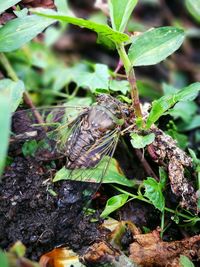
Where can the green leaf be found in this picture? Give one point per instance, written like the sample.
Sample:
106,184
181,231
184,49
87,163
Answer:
10,97
3,259
193,7
5,4
155,45
185,261
19,31
120,12
148,89
139,141
18,249
102,29
13,91
121,86
160,106
112,175
163,177
62,6
184,110
153,191
99,79
193,124
29,148
21,13
114,203
5,121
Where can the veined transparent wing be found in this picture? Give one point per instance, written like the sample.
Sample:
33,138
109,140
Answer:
48,126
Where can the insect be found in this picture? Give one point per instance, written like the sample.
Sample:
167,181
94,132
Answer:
83,136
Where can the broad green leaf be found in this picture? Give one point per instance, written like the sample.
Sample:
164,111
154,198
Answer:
102,29
148,89
5,4
19,31
10,97
3,259
99,79
21,13
184,110
121,86
5,121
185,261
193,7
114,203
153,191
120,12
155,45
160,106
112,175
13,91
139,141
193,124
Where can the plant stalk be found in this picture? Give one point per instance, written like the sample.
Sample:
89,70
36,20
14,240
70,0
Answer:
131,79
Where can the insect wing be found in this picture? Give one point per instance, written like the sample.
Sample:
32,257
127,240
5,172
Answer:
49,126
101,153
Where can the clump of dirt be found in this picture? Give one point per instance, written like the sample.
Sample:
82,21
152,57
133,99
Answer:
42,214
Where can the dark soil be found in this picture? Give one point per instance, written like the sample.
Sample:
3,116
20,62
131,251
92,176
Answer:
30,213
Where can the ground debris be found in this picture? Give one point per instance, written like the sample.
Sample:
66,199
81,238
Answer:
149,250
103,254
165,151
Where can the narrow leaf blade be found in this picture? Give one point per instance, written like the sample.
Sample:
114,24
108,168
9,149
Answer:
120,12
160,106
7,4
155,45
102,29
193,7
19,31
5,121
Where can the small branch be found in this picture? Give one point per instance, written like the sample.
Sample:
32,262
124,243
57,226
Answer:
145,164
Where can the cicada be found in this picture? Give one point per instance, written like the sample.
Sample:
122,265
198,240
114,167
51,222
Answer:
82,136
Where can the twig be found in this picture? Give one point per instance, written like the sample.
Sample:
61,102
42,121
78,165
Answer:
145,164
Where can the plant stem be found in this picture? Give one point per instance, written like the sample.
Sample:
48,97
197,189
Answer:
131,79
6,64
142,198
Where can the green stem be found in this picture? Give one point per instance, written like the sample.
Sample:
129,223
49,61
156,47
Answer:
131,79
6,64
141,197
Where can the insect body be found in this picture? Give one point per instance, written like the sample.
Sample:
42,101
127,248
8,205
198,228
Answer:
96,134
83,139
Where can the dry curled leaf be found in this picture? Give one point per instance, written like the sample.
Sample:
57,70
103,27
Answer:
149,250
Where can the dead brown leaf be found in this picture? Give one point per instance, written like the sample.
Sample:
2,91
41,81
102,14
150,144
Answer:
149,250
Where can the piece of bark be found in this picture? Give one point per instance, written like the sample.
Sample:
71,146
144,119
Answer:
148,250
165,150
